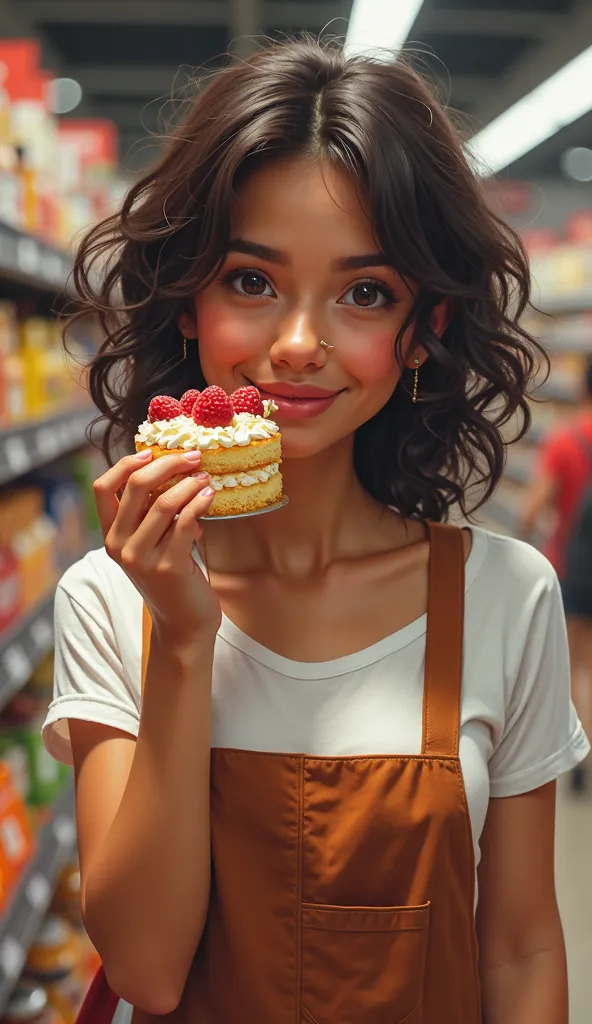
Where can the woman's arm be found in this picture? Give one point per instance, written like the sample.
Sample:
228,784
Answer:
143,826
522,951
143,806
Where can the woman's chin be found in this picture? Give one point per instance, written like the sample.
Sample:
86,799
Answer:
307,447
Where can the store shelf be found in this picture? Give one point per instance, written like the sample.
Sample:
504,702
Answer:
557,391
23,646
31,262
555,305
20,924
35,444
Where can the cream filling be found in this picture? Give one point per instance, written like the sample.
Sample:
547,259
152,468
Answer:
260,475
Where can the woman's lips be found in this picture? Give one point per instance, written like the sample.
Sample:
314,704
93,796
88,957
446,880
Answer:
294,407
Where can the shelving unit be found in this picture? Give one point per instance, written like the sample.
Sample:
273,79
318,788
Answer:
565,330
23,646
35,444
31,269
21,922
30,262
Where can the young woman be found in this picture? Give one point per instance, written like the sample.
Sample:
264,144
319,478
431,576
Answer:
353,708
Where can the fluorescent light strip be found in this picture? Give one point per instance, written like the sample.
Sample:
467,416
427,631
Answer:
560,99
379,25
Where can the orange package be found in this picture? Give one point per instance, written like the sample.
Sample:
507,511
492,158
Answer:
16,841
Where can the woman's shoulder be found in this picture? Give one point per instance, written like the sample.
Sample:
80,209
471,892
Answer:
97,576
509,568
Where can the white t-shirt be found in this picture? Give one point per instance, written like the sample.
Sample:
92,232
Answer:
519,729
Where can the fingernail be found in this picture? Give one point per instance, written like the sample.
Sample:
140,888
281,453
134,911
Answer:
193,456
200,476
144,454
207,492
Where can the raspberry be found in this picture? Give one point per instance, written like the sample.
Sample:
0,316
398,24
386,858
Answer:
163,407
213,408
188,400
247,400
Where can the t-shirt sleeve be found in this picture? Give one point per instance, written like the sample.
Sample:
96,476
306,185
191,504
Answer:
543,736
90,681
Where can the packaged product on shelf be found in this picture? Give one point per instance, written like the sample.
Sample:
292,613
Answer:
29,1004
11,594
16,842
66,903
12,371
56,961
66,506
45,777
30,535
35,337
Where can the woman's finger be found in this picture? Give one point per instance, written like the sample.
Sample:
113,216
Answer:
161,516
107,486
139,487
183,533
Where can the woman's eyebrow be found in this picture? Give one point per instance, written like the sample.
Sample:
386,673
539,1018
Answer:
265,252
369,259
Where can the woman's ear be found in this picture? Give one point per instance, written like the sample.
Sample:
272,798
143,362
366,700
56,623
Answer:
187,325
441,316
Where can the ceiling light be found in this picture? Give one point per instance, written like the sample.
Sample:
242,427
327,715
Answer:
576,163
379,25
560,99
63,95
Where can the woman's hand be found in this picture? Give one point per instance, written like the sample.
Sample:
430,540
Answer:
152,541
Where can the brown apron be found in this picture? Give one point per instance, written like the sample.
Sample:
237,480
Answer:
343,887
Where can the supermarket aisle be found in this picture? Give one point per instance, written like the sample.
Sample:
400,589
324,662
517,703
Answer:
574,859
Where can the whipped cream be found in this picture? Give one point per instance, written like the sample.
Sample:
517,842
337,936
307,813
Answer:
183,432
254,476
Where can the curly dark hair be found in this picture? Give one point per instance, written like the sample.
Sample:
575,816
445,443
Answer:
380,123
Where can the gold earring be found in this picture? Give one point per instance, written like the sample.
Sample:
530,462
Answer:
184,347
326,346
416,380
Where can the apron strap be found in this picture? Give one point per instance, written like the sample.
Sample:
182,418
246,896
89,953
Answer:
444,643
146,631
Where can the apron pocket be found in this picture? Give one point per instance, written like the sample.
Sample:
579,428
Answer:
363,965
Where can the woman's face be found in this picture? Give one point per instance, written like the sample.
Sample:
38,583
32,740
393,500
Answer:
303,266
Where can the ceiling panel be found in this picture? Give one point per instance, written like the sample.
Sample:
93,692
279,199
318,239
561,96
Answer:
138,44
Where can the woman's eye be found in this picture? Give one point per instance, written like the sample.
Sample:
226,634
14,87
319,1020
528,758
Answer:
367,295
247,282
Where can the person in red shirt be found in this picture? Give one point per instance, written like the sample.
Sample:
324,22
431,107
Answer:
561,477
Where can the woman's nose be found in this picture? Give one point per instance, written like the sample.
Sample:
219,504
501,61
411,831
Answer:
298,346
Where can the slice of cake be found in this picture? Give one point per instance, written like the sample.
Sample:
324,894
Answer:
239,442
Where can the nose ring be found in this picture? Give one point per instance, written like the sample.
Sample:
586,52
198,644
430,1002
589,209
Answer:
326,346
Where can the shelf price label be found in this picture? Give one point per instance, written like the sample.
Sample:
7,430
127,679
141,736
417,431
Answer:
12,957
41,632
38,892
47,442
64,830
17,454
16,664
28,256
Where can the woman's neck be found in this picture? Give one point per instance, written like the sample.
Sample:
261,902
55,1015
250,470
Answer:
329,516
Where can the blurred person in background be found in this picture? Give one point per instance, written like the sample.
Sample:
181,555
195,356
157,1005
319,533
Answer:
561,485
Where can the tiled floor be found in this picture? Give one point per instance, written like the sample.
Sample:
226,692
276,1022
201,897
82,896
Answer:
574,876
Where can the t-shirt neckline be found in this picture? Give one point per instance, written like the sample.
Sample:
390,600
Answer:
235,637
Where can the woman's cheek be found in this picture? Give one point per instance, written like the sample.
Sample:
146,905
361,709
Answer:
370,359
224,337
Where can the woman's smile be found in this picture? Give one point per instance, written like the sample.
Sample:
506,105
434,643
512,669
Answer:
298,401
